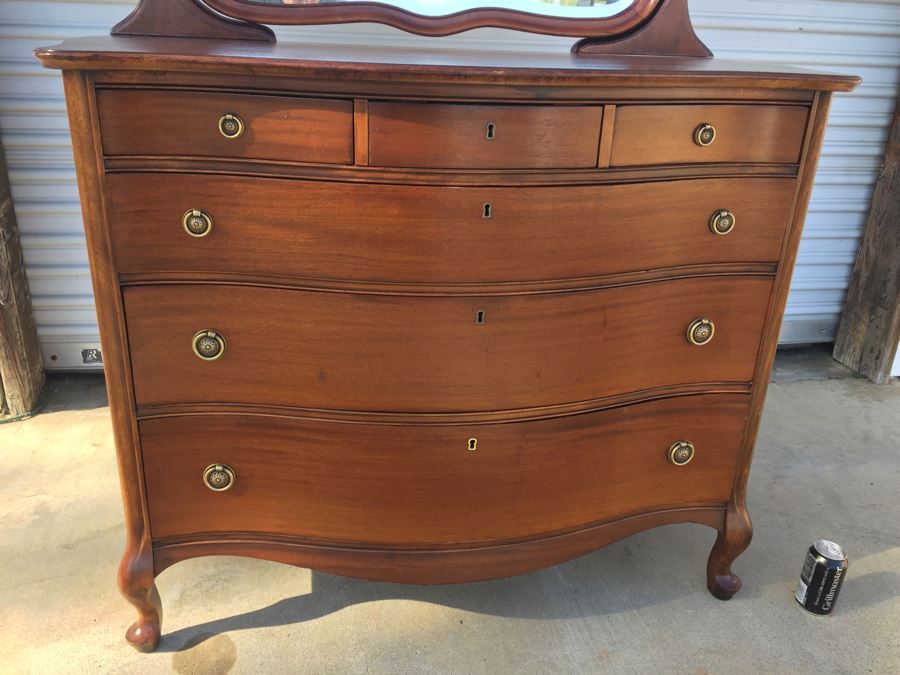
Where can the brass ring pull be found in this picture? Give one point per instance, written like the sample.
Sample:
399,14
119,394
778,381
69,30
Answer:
681,453
704,134
722,222
197,223
701,331
209,345
218,477
231,126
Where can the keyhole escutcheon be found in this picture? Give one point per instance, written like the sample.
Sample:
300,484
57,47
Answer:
490,131
473,444
479,317
488,210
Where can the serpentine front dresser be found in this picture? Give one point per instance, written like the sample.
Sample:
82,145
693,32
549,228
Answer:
432,316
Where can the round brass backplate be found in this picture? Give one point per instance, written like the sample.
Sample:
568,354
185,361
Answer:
197,223
231,126
209,345
681,453
704,134
722,222
701,331
218,477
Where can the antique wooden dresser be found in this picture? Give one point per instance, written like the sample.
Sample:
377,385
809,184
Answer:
432,316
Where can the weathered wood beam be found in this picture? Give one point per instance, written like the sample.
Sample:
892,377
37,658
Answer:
21,367
870,326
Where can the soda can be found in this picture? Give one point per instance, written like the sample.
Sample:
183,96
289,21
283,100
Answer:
823,573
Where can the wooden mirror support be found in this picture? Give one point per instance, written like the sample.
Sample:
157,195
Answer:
188,18
667,32
646,27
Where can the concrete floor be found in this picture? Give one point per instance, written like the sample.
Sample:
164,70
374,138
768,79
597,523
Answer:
827,465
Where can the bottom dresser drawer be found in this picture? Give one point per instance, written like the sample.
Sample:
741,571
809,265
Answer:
436,484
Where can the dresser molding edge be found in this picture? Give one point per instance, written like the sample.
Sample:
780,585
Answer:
434,566
349,173
448,419
536,287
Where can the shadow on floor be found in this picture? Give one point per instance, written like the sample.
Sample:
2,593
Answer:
73,391
610,581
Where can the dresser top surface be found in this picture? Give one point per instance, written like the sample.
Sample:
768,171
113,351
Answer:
348,61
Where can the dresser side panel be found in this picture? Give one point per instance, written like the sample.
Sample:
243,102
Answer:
814,135
136,570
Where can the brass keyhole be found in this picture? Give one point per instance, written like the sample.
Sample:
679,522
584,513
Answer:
473,444
488,211
491,131
479,317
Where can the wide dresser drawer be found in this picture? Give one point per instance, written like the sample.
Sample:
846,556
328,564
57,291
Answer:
354,351
471,136
205,124
421,485
425,234
691,134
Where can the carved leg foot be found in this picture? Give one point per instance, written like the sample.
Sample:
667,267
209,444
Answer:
137,584
733,539
144,633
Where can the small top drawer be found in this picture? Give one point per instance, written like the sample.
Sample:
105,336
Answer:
456,136
177,123
700,134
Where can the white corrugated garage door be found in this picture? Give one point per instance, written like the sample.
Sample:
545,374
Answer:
847,36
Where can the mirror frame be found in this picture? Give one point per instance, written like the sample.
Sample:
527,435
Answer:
365,11
644,28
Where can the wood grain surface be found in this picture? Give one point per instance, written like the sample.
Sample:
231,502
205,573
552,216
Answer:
351,351
529,75
456,136
422,486
664,134
431,234
179,123
21,362
376,321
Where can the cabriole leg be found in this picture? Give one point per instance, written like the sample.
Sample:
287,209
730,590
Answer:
136,581
733,539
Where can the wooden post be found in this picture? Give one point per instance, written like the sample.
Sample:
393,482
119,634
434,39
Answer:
21,367
870,326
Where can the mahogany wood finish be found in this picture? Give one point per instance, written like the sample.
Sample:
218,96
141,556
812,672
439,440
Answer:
447,565
533,234
186,124
136,570
421,486
414,311
187,18
665,134
332,350
433,74
669,33
428,135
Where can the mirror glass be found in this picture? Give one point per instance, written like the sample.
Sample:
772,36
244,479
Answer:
564,9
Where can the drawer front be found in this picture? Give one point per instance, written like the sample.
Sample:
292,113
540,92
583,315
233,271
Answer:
349,351
665,134
421,485
392,233
431,135
176,123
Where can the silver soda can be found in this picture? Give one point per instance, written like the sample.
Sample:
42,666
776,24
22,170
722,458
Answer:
823,573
